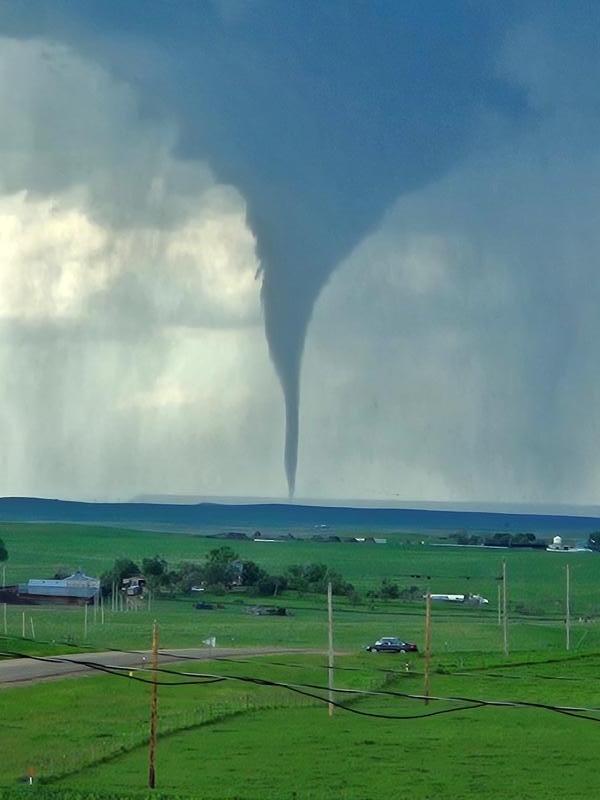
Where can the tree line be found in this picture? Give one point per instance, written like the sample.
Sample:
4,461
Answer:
498,539
221,571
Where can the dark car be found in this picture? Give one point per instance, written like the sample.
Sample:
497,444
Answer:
391,644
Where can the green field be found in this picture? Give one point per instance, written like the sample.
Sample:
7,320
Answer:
240,740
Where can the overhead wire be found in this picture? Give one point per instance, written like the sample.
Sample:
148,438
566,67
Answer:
309,689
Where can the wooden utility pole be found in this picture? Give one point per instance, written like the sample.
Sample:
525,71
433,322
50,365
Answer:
101,609
153,710
330,637
23,624
568,608
3,577
427,683
5,620
504,607
499,604
85,613
32,628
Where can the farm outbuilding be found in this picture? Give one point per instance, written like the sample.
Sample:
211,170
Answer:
76,589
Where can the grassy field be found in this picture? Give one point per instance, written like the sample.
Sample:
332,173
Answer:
536,577
236,740
535,581
239,740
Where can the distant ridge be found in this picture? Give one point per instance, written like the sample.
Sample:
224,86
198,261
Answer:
286,517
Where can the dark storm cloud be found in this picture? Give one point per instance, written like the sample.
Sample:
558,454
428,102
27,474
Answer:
324,114
321,114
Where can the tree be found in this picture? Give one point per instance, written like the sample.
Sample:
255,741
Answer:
3,551
219,569
271,585
252,573
499,540
411,593
315,574
188,574
296,578
315,577
389,590
155,572
594,540
121,569
155,566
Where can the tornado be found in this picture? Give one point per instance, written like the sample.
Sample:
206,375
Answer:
286,324
288,293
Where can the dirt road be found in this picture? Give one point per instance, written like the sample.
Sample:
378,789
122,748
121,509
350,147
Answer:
15,671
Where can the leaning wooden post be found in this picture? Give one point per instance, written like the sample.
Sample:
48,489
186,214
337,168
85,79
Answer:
153,710
427,678
330,660
504,608
32,628
568,608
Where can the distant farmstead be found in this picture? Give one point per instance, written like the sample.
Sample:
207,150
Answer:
77,589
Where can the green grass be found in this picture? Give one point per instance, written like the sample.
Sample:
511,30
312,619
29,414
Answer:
536,577
100,717
241,741
244,742
182,626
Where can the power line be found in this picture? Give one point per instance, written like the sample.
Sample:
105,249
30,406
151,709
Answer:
580,712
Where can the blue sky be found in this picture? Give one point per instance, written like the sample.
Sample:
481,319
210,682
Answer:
414,184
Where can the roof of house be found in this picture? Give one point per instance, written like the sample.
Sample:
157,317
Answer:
49,590
76,585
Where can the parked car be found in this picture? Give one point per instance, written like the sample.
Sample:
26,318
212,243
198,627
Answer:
391,644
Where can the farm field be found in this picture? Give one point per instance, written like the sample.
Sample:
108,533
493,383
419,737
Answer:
535,576
283,743
287,747
535,581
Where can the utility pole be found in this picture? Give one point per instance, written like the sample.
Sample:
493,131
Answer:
5,620
85,624
3,576
499,604
101,609
568,608
153,710
32,628
504,607
330,660
426,683
23,624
